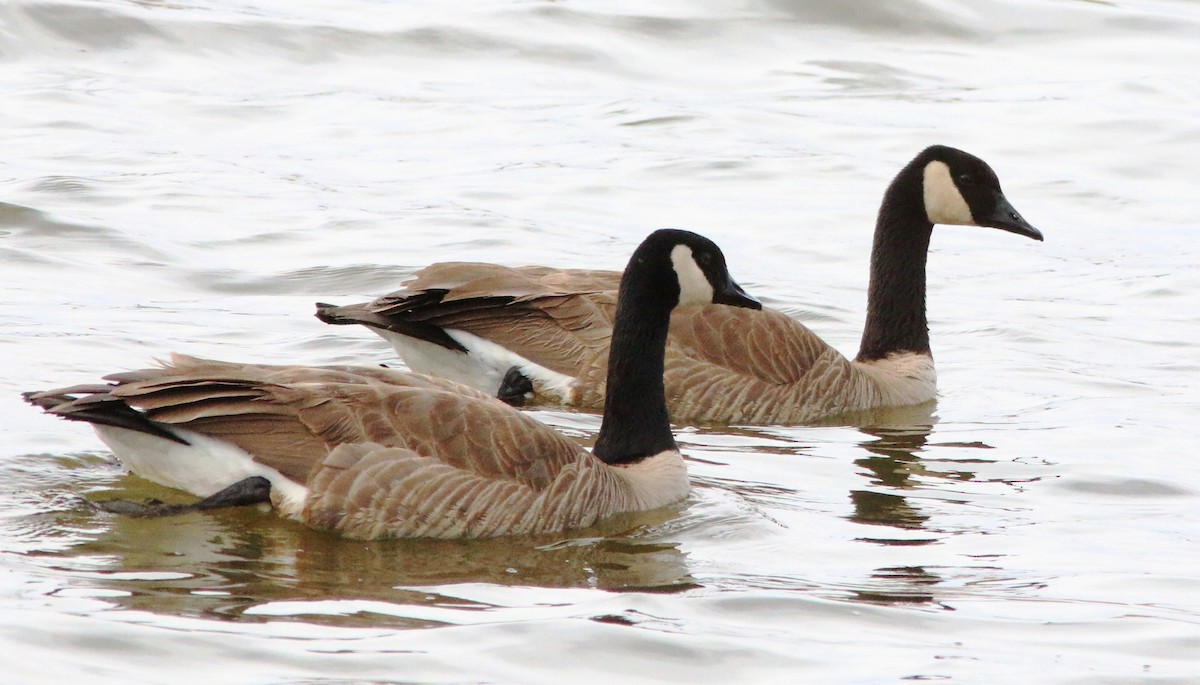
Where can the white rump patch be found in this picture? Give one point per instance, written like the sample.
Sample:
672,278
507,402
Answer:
694,287
482,367
202,468
944,204
658,480
903,377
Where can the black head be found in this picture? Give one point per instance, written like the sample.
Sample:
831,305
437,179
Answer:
961,189
670,268
691,267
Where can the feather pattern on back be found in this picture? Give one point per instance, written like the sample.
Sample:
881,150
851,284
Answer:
383,453
371,491
723,364
553,316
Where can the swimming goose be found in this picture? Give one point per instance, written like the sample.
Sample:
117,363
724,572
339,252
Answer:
544,332
375,452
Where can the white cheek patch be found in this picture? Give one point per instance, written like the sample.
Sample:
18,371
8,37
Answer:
944,204
694,287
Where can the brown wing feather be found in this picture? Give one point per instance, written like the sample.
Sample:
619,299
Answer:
555,318
724,364
472,280
290,417
733,365
765,345
371,491
699,390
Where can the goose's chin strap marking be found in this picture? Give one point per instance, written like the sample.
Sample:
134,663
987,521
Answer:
694,287
944,203
246,492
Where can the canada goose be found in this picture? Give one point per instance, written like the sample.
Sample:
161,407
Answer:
536,330
374,452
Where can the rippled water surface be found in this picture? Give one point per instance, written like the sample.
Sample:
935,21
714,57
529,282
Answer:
191,176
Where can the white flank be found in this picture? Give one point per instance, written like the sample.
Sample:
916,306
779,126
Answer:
202,468
694,287
904,378
944,204
482,367
658,480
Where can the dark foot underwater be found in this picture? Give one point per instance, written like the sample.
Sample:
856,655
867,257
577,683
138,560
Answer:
515,388
252,490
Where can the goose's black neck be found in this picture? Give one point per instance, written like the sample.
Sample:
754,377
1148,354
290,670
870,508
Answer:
896,297
636,424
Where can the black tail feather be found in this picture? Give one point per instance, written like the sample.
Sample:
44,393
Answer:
97,406
361,315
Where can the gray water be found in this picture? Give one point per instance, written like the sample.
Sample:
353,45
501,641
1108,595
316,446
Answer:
191,176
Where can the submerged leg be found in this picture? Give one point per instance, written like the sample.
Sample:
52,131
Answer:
252,490
515,387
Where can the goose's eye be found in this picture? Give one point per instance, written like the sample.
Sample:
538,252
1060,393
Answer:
705,259
964,180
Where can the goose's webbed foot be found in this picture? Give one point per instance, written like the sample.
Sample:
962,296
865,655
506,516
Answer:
515,388
252,490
